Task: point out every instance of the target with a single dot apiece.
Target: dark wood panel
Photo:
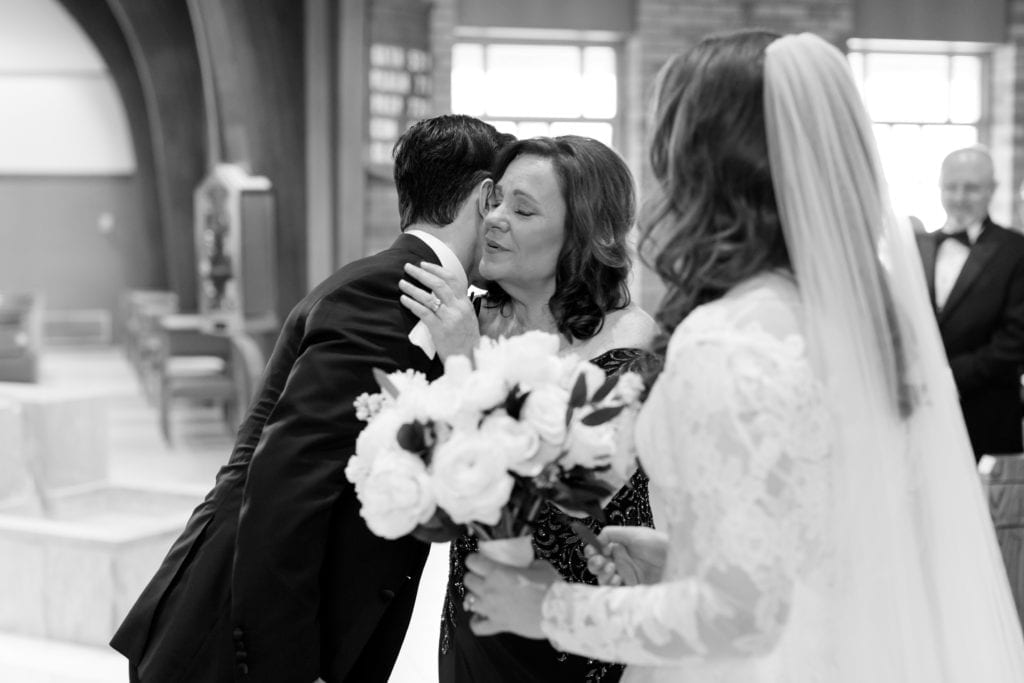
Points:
(160, 37)
(976, 20)
(255, 50)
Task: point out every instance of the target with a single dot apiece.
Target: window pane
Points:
(509, 127)
(965, 90)
(907, 87)
(911, 156)
(533, 80)
(468, 79)
(856, 60)
(600, 87)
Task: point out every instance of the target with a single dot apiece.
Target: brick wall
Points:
(667, 27)
(1009, 89)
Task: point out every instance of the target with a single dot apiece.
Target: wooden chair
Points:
(142, 308)
(198, 366)
(20, 337)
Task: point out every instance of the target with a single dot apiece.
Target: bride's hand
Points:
(445, 309)
(632, 555)
(506, 599)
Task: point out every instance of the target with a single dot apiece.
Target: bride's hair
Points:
(712, 221)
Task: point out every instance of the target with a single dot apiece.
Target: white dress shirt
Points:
(949, 261)
(420, 335)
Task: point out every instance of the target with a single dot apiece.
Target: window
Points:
(531, 88)
(924, 104)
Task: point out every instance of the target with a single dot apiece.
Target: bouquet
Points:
(486, 444)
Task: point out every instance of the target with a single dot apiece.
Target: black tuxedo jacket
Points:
(982, 327)
(276, 577)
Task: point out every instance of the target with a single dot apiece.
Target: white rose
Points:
(381, 433)
(544, 410)
(408, 380)
(518, 442)
(470, 481)
(357, 469)
(441, 401)
(531, 359)
(484, 389)
(396, 495)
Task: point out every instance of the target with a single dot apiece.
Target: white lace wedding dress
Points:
(735, 438)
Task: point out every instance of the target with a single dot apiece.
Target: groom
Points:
(276, 577)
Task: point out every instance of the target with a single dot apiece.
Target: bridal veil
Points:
(919, 591)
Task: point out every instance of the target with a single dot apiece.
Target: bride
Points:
(824, 516)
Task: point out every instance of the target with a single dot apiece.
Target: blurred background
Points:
(176, 174)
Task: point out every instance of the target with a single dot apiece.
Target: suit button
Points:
(243, 669)
(237, 633)
(387, 594)
(241, 655)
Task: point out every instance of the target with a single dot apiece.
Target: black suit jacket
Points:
(982, 327)
(276, 577)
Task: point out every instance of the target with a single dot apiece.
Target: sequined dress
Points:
(467, 658)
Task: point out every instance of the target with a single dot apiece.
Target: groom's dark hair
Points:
(438, 162)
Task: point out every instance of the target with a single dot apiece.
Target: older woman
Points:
(555, 254)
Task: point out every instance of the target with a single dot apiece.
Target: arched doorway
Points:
(74, 220)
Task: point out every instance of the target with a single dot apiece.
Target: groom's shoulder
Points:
(374, 275)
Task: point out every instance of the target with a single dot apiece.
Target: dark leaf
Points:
(605, 389)
(579, 392)
(601, 415)
(410, 437)
(576, 501)
(438, 529)
(384, 383)
(514, 402)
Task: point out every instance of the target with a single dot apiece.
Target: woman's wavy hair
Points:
(712, 221)
(593, 267)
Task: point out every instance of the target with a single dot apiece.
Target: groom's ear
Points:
(486, 187)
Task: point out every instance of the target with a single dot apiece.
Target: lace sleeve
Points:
(737, 438)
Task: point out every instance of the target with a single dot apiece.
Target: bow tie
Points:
(959, 236)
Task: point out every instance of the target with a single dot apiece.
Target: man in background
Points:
(975, 272)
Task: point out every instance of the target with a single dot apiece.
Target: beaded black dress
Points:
(467, 658)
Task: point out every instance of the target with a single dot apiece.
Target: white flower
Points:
(381, 434)
(396, 494)
(544, 410)
(484, 389)
(414, 393)
(408, 380)
(518, 443)
(368, 405)
(529, 360)
(470, 480)
(439, 402)
(357, 469)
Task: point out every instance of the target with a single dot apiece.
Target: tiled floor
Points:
(138, 455)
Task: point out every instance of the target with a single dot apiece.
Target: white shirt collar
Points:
(420, 335)
(443, 252)
(973, 230)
